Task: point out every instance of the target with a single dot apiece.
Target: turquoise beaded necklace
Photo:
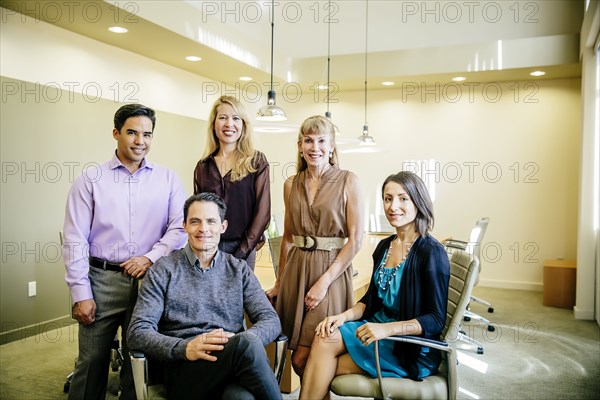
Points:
(384, 281)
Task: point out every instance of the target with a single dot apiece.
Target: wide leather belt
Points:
(311, 243)
(105, 265)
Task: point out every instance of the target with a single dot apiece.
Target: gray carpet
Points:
(536, 352)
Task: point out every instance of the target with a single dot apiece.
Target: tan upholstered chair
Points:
(443, 385)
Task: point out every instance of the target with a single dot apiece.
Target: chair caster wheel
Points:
(480, 350)
(467, 318)
(491, 328)
(491, 309)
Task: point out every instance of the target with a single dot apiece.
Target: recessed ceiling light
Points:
(117, 29)
(459, 79)
(322, 87)
(388, 83)
(245, 78)
(537, 73)
(193, 58)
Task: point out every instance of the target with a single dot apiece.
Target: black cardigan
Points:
(423, 294)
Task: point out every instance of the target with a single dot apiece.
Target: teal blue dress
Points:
(388, 287)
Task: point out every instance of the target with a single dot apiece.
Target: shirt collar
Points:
(116, 163)
(194, 262)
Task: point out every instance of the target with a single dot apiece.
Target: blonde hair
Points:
(244, 150)
(312, 125)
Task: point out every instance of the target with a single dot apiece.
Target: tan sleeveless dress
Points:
(325, 218)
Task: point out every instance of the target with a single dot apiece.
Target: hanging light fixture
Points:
(366, 139)
(271, 112)
(327, 113)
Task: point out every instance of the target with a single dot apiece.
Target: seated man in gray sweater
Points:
(190, 313)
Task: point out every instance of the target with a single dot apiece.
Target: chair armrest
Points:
(435, 344)
(281, 344)
(134, 354)
(139, 368)
(456, 244)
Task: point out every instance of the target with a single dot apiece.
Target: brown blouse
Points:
(248, 200)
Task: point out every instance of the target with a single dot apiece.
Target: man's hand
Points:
(201, 347)
(137, 266)
(85, 311)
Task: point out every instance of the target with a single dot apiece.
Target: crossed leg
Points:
(328, 358)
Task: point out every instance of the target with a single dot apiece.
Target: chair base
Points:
(472, 316)
(463, 337)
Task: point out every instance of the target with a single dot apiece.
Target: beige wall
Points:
(515, 160)
(533, 213)
(44, 147)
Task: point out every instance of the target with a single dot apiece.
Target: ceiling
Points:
(424, 41)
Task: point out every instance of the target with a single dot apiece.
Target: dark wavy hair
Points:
(418, 193)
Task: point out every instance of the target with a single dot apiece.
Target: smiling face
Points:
(204, 228)
(398, 206)
(134, 141)
(228, 125)
(316, 148)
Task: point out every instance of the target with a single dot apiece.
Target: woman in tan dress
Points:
(323, 231)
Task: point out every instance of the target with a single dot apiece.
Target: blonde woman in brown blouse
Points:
(232, 169)
(323, 230)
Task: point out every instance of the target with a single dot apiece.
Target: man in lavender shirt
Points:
(121, 216)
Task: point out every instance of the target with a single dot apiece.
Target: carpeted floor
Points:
(536, 352)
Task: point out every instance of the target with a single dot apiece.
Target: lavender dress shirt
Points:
(115, 215)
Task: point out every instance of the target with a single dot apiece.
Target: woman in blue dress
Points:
(407, 295)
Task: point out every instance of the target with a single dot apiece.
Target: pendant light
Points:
(366, 139)
(327, 113)
(271, 112)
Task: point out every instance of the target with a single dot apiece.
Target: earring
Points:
(331, 154)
